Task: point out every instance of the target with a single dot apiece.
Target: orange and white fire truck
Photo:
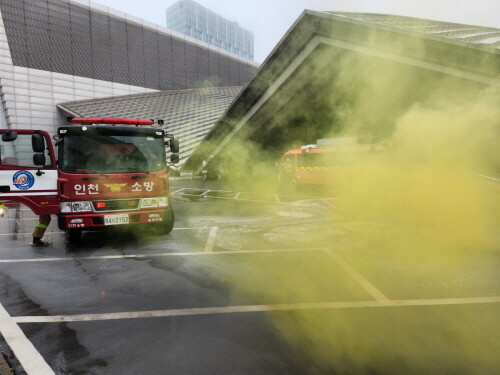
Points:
(108, 172)
(311, 165)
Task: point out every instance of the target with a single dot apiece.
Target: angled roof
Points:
(475, 35)
(303, 68)
(187, 114)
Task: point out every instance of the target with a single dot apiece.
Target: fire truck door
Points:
(28, 172)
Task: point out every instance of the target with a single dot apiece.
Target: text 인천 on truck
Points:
(109, 171)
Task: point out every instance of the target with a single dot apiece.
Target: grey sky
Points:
(270, 19)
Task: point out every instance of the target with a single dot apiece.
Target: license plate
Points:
(116, 219)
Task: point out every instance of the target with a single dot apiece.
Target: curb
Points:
(4, 366)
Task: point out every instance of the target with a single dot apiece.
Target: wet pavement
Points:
(217, 295)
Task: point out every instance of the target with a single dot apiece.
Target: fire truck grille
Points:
(116, 205)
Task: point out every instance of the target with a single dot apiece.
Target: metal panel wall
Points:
(191, 65)
(166, 61)
(224, 77)
(101, 46)
(178, 64)
(60, 39)
(151, 59)
(63, 37)
(81, 38)
(135, 50)
(119, 55)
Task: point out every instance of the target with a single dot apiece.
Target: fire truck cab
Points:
(107, 172)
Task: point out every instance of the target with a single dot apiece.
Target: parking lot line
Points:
(226, 198)
(198, 189)
(209, 247)
(26, 233)
(254, 308)
(325, 201)
(176, 191)
(132, 256)
(368, 286)
(490, 178)
(271, 201)
(62, 232)
(28, 218)
(29, 358)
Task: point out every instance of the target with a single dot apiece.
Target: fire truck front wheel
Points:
(166, 226)
(73, 235)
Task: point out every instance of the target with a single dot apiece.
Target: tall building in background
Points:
(193, 19)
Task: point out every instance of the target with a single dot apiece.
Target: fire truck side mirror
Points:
(37, 143)
(174, 145)
(9, 136)
(39, 160)
(174, 158)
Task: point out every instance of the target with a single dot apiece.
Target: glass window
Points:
(100, 153)
(19, 153)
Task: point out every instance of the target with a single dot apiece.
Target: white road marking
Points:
(490, 178)
(368, 286)
(204, 193)
(192, 228)
(199, 189)
(209, 247)
(273, 201)
(31, 360)
(243, 200)
(23, 219)
(255, 308)
(176, 191)
(324, 200)
(132, 256)
(26, 233)
(62, 232)
(237, 195)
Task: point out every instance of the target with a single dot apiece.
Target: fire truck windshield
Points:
(92, 152)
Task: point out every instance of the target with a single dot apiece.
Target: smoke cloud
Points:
(419, 221)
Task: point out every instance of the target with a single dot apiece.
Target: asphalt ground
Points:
(247, 283)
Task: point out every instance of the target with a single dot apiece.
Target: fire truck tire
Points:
(167, 226)
(73, 235)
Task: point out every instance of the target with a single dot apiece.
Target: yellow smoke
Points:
(416, 223)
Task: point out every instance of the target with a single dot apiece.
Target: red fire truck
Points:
(310, 165)
(108, 171)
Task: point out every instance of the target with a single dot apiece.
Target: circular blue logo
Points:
(23, 180)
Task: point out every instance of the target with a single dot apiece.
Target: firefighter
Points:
(41, 226)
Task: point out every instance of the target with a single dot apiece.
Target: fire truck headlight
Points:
(149, 202)
(65, 206)
(162, 202)
(81, 206)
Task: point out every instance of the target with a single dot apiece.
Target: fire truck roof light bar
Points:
(110, 120)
